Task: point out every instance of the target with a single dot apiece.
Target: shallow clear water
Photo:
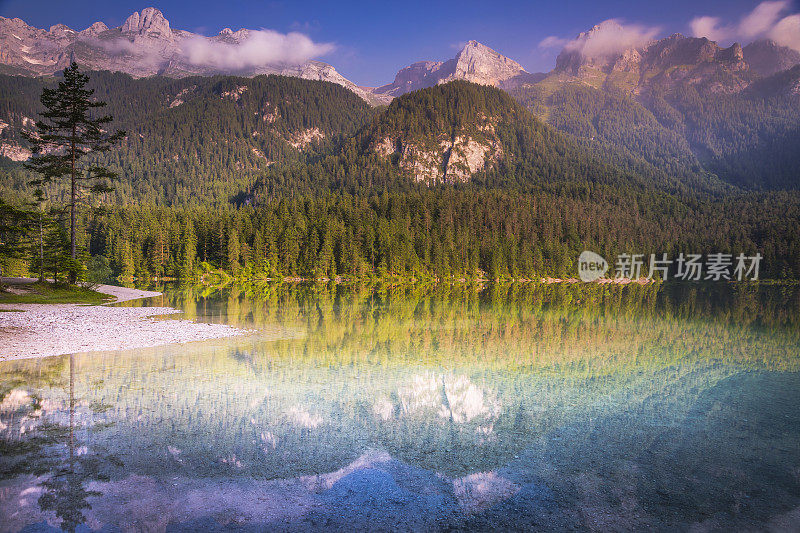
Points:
(508, 407)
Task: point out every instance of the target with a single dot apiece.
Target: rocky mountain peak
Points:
(674, 52)
(607, 46)
(418, 75)
(95, 29)
(475, 49)
(766, 57)
(478, 63)
(241, 35)
(628, 61)
(16, 21)
(149, 21)
(61, 31)
(475, 62)
(152, 49)
(735, 52)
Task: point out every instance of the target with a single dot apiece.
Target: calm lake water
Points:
(672, 407)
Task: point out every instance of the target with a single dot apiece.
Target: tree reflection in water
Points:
(65, 491)
(662, 398)
(36, 439)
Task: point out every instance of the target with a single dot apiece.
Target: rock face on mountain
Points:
(672, 61)
(480, 64)
(445, 158)
(475, 62)
(419, 75)
(433, 137)
(145, 45)
(149, 21)
(591, 51)
(684, 105)
(583, 53)
(678, 51)
(635, 67)
(766, 58)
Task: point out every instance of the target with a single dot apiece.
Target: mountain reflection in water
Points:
(510, 407)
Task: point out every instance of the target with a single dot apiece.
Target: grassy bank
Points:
(50, 293)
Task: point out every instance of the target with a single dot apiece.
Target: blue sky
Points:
(375, 39)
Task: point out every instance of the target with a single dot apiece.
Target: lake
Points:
(455, 407)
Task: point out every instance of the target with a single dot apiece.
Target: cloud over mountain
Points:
(551, 41)
(146, 45)
(258, 48)
(767, 21)
(610, 37)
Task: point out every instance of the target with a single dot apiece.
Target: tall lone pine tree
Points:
(65, 135)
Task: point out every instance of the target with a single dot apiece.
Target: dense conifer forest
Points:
(273, 177)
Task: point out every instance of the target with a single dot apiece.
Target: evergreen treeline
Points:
(440, 232)
(336, 208)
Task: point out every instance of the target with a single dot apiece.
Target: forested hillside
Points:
(279, 177)
(463, 133)
(200, 139)
(746, 138)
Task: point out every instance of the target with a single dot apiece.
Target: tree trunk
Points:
(72, 410)
(73, 249)
(41, 250)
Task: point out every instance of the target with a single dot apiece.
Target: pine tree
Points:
(40, 204)
(56, 250)
(188, 250)
(13, 222)
(232, 259)
(128, 268)
(64, 136)
(259, 253)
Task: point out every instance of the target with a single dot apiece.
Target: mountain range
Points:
(146, 45)
(679, 106)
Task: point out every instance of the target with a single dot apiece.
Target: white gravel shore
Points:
(123, 294)
(43, 330)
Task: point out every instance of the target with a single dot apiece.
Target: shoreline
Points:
(29, 331)
(122, 294)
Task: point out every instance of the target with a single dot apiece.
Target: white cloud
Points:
(552, 42)
(144, 56)
(260, 48)
(787, 32)
(113, 46)
(763, 22)
(256, 48)
(762, 19)
(709, 27)
(610, 38)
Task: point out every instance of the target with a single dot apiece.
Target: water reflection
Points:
(507, 406)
